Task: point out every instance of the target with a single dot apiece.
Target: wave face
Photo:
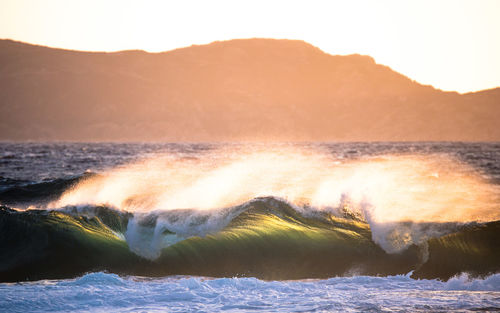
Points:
(266, 238)
(271, 212)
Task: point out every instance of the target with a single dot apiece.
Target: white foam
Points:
(100, 292)
(148, 233)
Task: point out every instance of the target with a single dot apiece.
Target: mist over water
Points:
(266, 227)
(395, 193)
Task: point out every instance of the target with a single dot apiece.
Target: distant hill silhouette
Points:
(238, 90)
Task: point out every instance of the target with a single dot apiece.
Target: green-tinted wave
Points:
(271, 240)
(40, 244)
(473, 249)
(265, 238)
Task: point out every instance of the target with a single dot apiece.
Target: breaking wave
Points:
(284, 214)
(266, 238)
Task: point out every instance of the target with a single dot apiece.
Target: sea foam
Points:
(100, 292)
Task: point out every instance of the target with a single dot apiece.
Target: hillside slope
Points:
(248, 89)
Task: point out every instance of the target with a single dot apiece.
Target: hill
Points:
(238, 90)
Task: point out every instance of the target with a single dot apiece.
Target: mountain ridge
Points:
(237, 90)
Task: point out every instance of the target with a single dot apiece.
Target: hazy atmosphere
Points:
(451, 45)
(238, 90)
(333, 71)
(249, 156)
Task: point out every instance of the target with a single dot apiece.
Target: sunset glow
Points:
(452, 45)
(375, 188)
(265, 156)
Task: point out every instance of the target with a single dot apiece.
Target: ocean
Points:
(238, 227)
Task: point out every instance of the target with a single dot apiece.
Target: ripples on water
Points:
(110, 293)
(36, 161)
(24, 164)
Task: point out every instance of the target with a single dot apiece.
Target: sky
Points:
(453, 45)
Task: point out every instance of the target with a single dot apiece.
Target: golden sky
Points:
(451, 44)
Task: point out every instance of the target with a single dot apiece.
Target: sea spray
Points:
(394, 193)
(284, 237)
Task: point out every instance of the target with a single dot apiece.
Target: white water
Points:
(99, 292)
(148, 234)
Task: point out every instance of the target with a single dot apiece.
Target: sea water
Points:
(101, 292)
(26, 169)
